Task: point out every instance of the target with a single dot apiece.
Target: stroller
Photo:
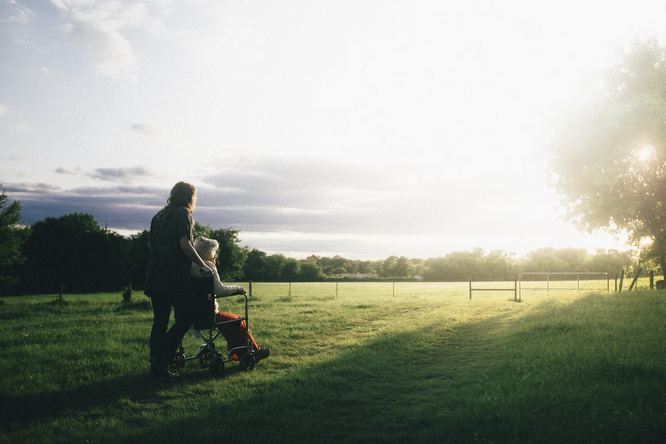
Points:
(210, 330)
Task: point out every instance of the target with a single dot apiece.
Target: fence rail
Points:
(563, 281)
(514, 289)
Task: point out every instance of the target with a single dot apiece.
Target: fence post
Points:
(470, 288)
(515, 288)
(651, 279)
(250, 285)
(578, 282)
(621, 279)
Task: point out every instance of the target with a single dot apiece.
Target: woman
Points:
(168, 275)
(207, 249)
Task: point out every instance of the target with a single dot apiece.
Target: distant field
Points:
(356, 362)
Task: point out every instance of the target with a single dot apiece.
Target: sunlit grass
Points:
(365, 364)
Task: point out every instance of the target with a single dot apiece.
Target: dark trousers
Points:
(163, 343)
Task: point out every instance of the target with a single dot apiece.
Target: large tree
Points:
(609, 153)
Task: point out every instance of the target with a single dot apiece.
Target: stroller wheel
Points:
(216, 366)
(247, 361)
(204, 356)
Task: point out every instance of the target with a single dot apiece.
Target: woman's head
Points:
(206, 248)
(183, 195)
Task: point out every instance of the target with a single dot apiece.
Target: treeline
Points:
(73, 253)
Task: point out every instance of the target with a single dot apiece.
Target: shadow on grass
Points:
(18, 412)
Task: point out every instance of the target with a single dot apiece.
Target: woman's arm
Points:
(191, 253)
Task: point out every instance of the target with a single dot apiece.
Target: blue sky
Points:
(363, 128)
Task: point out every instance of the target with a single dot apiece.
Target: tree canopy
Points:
(11, 237)
(608, 155)
(75, 252)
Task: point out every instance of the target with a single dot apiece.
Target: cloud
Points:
(12, 12)
(34, 188)
(18, 158)
(4, 111)
(120, 207)
(99, 27)
(120, 174)
(319, 195)
(148, 129)
(271, 195)
(75, 171)
(125, 175)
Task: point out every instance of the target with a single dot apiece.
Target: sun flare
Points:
(646, 153)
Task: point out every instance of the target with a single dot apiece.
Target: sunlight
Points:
(646, 153)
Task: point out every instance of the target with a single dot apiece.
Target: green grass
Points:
(364, 364)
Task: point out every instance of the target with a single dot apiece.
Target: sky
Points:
(359, 128)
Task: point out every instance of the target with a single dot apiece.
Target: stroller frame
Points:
(209, 330)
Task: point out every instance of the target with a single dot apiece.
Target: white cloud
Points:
(99, 26)
(3, 110)
(12, 12)
(148, 129)
(17, 157)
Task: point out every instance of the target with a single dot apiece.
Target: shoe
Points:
(263, 353)
(162, 373)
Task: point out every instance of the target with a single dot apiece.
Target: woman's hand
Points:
(191, 253)
(241, 291)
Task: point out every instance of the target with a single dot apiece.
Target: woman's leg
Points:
(161, 314)
(183, 314)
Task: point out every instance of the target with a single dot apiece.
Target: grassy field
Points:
(352, 363)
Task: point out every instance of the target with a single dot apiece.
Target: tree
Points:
(11, 238)
(611, 261)
(497, 265)
(231, 257)
(255, 265)
(74, 251)
(403, 268)
(366, 267)
(274, 265)
(291, 269)
(136, 260)
(609, 154)
(310, 270)
(546, 260)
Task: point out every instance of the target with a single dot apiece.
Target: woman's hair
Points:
(183, 195)
(206, 247)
